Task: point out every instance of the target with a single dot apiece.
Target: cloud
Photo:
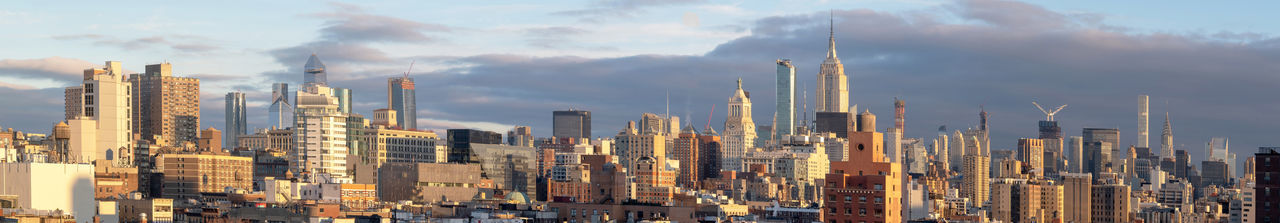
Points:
(178, 43)
(608, 9)
(350, 23)
(559, 37)
(52, 68)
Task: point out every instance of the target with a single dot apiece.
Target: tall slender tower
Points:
(1142, 121)
(281, 109)
(786, 111)
(833, 85)
(739, 130)
(314, 73)
(236, 118)
(1166, 139)
(899, 114)
(401, 96)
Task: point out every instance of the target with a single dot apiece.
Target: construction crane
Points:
(1049, 114)
(406, 73)
(713, 111)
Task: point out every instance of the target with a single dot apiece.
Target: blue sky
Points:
(466, 50)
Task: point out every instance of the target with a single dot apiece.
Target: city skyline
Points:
(879, 45)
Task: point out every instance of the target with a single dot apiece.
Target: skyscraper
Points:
(899, 114)
(281, 108)
(833, 85)
(1142, 121)
(401, 97)
(1166, 139)
(571, 124)
(739, 130)
(1267, 163)
(786, 99)
(166, 108)
(321, 137)
(236, 118)
(314, 72)
(1099, 144)
(102, 129)
(1031, 153)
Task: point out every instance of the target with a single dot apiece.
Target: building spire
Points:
(739, 83)
(831, 46)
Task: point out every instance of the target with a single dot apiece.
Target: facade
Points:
(379, 146)
(832, 122)
(709, 146)
(155, 209)
(1021, 200)
(1110, 203)
(1143, 118)
(974, 185)
(402, 97)
(188, 175)
(1266, 199)
(739, 131)
(431, 182)
(1077, 197)
(633, 146)
(280, 114)
(51, 186)
(786, 108)
(236, 118)
(571, 124)
(833, 85)
(1031, 153)
(686, 152)
(320, 133)
(1099, 144)
(104, 125)
(461, 140)
(166, 108)
(520, 136)
(865, 188)
(511, 168)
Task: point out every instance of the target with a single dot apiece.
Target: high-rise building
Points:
(571, 124)
(520, 136)
(739, 131)
(1267, 200)
(1031, 153)
(1166, 139)
(974, 185)
(1075, 161)
(102, 126)
(236, 118)
(833, 85)
(833, 122)
(786, 108)
(865, 188)
(1098, 157)
(1181, 166)
(166, 108)
(708, 155)
(685, 151)
(1077, 197)
(1142, 121)
(899, 114)
(320, 153)
(313, 73)
(281, 110)
(632, 145)
(461, 142)
(188, 175)
(1022, 200)
(402, 97)
(1110, 203)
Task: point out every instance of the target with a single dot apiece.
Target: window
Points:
(879, 200)
(88, 88)
(879, 187)
(862, 199)
(862, 212)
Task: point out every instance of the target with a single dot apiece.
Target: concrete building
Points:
(866, 188)
(1110, 203)
(431, 182)
(280, 114)
(833, 85)
(103, 121)
(686, 151)
(520, 136)
(1031, 153)
(210, 140)
(786, 98)
(236, 118)
(402, 97)
(50, 186)
(320, 153)
(633, 146)
(153, 209)
(1266, 199)
(739, 131)
(1022, 200)
(655, 181)
(974, 185)
(188, 175)
(379, 146)
(166, 108)
(1077, 194)
(571, 124)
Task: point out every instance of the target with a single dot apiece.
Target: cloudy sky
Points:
(494, 64)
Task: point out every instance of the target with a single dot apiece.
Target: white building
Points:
(320, 137)
(51, 186)
(739, 131)
(103, 102)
